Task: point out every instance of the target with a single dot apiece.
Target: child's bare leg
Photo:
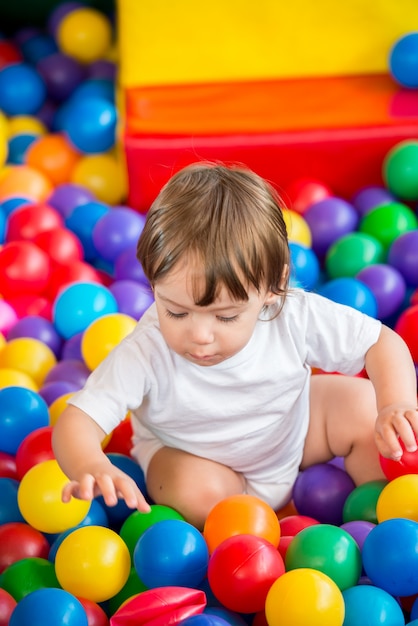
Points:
(343, 415)
(190, 484)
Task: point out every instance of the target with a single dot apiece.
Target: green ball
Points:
(352, 253)
(27, 575)
(388, 222)
(328, 549)
(361, 502)
(132, 587)
(137, 523)
(400, 170)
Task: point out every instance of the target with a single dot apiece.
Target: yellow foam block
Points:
(187, 42)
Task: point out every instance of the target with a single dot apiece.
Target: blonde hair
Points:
(226, 217)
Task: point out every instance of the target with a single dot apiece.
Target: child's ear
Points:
(271, 297)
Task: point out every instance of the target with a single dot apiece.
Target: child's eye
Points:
(177, 316)
(234, 318)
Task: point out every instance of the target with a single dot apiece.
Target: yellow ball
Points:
(57, 406)
(103, 335)
(26, 125)
(10, 377)
(304, 596)
(297, 228)
(4, 130)
(93, 562)
(40, 503)
(85, 34)
(30, 356)
(399, 498)
(102, 174)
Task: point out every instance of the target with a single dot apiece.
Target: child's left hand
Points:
(394, 423)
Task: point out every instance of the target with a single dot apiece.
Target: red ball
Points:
(293, 524)
(65, 274)
(241, 571)
(30, 219)
(121, 439)
(7, 466)
(24, 269)
(35, 448)
(408, 463)
(406, 326)
(9, 54)
(95, 614)
(60, 244)
(7, 604)
(284, 543)
(31, 304)
(20, 541)
(303, 192)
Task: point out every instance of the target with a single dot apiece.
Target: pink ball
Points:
(8, 317)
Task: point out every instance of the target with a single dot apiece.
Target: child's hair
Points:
(228, 220)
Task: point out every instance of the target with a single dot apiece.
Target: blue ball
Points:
(82, 220)
(22, 90)
(80, 304)
(95, 87)
(366, 604)
(171, 553)
(18, 146)
(304, 265)
(205, 620)
(9, 507)
(21, 412)
(351, 292)
(90, 124)
(390, 556)
(49, 606)
(403, 61)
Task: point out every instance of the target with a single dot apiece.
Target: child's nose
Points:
(201, 332)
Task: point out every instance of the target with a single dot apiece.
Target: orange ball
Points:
(54, 156)
(240, 515)
(23, 180)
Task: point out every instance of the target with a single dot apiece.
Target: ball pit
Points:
(63, 223)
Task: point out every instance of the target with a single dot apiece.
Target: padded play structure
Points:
(292, 89)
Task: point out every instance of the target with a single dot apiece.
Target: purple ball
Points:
(37, 327)
(328, 221)
(70, 370)
(403, 255)
(116, 230)
(53, 390)
(61, 74)
(57, 15)
(358, 529)
(133, 298)
(72, 348)
(67, 196)
(102, 69)
(320, 492)
(369, 198)
(388, 286)
(127, 266)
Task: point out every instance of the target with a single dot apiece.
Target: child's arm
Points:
(390, 368)
(76, 441)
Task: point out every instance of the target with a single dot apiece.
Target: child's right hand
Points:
(111, 483)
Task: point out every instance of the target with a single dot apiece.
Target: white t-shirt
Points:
(249, 412)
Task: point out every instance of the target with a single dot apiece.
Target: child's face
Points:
(205, 335)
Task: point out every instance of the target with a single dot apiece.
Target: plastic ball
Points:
(81, 222)
(358, 529)
(127, 267)
(65, 274)
(351, 292)
(241, 515)
(37, 47)
(351, 253)
(61, 74)
(96, 616)
(320, 492)
(60, 244)
(18, 541)
(388, 221)
(58, 13)
(162, 605)
(407, 464)
(390, 556)
(204, 620)
(67, 196)
(406, 326)
(8, 317)
(71, 349)
(15, 378)
(291, 525)
(171, 552)
(241, 571)
(7, 605)
(18, 147)
(329, 220)
(9, 508)
(403, 61)
(9, 53)
(137, 523)
(39, 499)
(399, 499)
(367, 604)
(26, 124)
(93, 562)
(133, 298)
(31, 356)
(27, 181)
(400, 170)
(322, 605)
(370, 197)
(361, 503)
(63, 608)
(53, 155)
(328, 549)
(104, 175)
(90, 124)
(22, 411)
(70, 371)
(303, 192)
(79, 304)
(132, 587)
(7, 466)
(84, 34)
(304, 265)
(29, 220)
(27, 575)
(35, 448)
(116, 230)
(297, 228)
(403, 255)
(102, 335)
(388, 286)
(57, 407)
(22, 90)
